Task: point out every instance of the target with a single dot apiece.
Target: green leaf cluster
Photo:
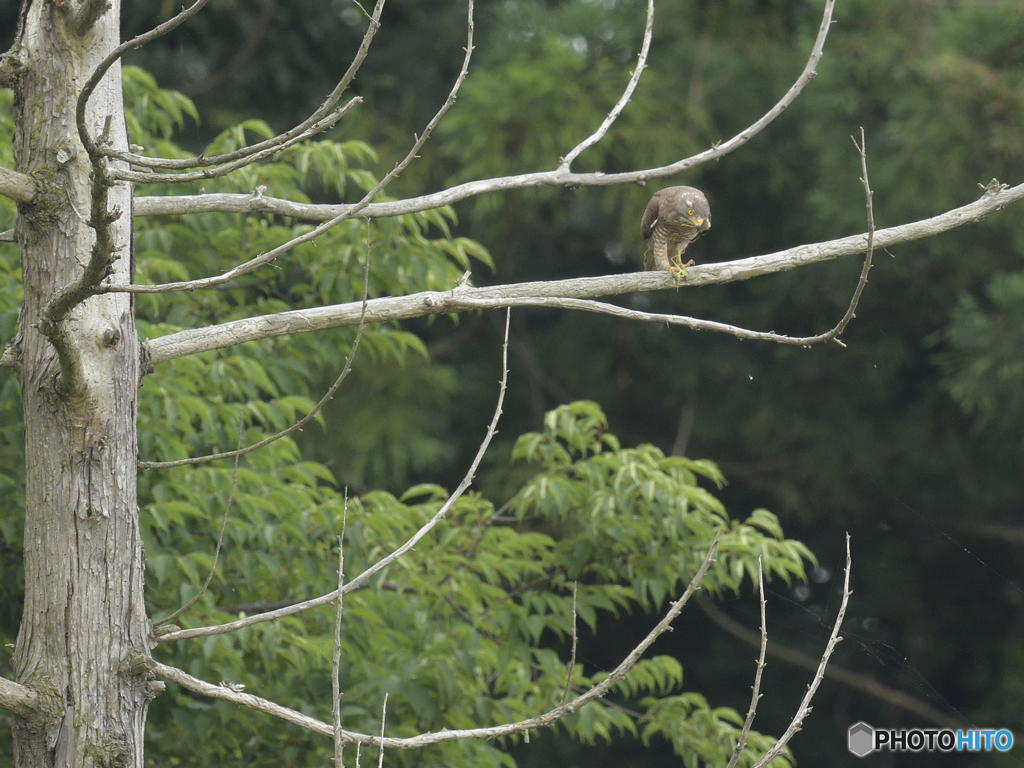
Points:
(464, 630)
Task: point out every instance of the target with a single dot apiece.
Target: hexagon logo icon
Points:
(860, 739)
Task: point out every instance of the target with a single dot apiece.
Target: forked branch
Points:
(307, 128)
(269, 256)
(623, 100)
(249, 155)
(101, 215)
(560, 177)
(805, 704)
(136, 42)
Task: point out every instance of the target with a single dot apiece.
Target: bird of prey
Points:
(674, 218)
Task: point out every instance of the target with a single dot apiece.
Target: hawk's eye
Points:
(689, 211)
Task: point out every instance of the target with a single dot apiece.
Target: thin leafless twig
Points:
(383, 720)
(265, 258)
(346, 369)
(302, 128)
(362, 578)
(339, 743)
(220, 540)
(623, 100)
(277, 144)
(805, 704)
(756, 694)
(490, 732)
(857, 681)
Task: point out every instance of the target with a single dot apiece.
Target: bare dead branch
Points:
(302, 128)
(269, 256)
(18, 698)
(225, 693)
(558, 293)
(19, 187)
(7, 236)
(277, 144)
(805, 704)
(225, 203)
(756, 691)
(362, 578)
(298, 425)
(847, 677)
(491, 732)
(634, 78)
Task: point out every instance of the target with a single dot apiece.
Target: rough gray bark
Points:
(84, 610)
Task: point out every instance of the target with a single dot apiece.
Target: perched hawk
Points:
(675, 217)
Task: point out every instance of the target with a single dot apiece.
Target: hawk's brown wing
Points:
(650, 216)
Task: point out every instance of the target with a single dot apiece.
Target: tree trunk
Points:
(84, 612)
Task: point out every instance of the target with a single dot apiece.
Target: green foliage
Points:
(984, 370)
(703, 735)
(460, 632)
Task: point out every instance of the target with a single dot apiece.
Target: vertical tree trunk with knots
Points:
(84, 614)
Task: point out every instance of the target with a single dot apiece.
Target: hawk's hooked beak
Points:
(703, 225)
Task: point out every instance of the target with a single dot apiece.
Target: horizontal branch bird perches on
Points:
(564, 293)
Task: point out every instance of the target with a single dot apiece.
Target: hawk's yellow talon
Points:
(678, 270)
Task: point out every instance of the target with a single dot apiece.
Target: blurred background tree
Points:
(910, 437)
